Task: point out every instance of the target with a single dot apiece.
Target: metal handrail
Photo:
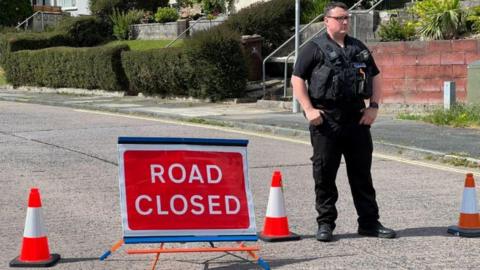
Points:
(186, 30)
(27, 19)
(318, 32)
(290, 39)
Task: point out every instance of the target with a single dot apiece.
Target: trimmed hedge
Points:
(218, 64)
(161, 72)
(211, 65)
(12, 42)
(272, 20)
(90, 68)
(85, 31)
(82, 31)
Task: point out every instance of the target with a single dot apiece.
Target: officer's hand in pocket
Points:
(314, 116)
(369, 116)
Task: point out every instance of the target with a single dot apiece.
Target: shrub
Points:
(85, 30)
(312, 9)
(104, 8)
(89, 68)
(164, 15)
(14, 12)
(214, 6)
(219, 64)
(122, 20)
(272, 20)
(473, 20)
(150, 5)
(395, 31)
(161, 72)
(440, 19)
(12, 42)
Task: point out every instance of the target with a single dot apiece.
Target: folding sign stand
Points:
(172, 188)
(240, 247)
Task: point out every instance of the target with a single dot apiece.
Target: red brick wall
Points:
(414, 72)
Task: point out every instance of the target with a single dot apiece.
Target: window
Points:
(67, 3)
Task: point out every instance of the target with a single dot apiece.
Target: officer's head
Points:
(336, 18)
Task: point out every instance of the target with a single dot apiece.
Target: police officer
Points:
(341, 74)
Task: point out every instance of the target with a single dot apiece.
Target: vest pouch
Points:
(319, 80)
(334, 92)
(363, 84)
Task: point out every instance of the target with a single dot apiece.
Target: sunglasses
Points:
(340, 18)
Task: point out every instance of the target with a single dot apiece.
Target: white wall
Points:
(239, 4)
(81, 8)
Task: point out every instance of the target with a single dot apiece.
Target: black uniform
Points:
(340, 133)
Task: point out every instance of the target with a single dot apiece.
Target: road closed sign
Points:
(184, 187)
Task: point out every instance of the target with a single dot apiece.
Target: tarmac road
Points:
(72, 157)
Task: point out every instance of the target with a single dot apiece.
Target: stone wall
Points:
(154, 31)
(44, 20)
(414, 72)
(170, 30)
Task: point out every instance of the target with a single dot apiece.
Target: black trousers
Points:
(354, 142)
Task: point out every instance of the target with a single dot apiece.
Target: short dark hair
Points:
(333, 5)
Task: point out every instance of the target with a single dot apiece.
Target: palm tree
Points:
(440, 19)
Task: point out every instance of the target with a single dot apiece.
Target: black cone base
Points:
(290, 237)
(48, 263)
(455, 230)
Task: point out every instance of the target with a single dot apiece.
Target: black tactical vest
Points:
(341, 76)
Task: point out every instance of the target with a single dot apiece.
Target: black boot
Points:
(324, 233)
(376, 230)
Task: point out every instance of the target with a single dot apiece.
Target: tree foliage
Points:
(440, 19)
(13, 12)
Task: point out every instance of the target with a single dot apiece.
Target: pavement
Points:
(412, 139)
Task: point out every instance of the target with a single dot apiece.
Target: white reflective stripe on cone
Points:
(34, 223)
(469, 201)
(275, 207)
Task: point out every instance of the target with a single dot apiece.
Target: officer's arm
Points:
(300, 92)
(376, 90)
(370, 114)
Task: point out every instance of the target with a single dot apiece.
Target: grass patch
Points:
(143, 45)
(409, 116)
(459, 115)
(207, 122)
(3, 80)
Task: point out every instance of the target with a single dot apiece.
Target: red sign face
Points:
(185, 190)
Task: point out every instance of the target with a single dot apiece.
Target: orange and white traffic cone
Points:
(34, 251)
(275, 228)
(469, 221)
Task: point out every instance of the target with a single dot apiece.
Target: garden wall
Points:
(158, 30)
(414, 72)
(172, 29)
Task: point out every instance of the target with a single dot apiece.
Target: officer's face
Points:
(336, 21)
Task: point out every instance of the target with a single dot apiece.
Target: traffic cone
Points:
(34, 251)
(275, 228)
(469, 221)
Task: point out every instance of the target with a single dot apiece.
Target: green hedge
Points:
(85, 31)
(211, 65)
(218, 62)
(272, 20)
(161, 72)
(89, 68)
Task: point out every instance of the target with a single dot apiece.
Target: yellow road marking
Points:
(279, 138)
